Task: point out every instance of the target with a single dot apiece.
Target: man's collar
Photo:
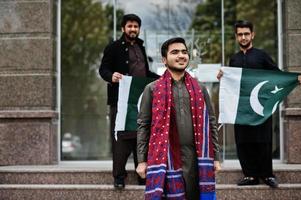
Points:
(182, 79)
(248, 50)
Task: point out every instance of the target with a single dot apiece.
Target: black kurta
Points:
(253, 59)
(254, 143)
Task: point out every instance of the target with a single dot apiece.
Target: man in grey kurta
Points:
(185, 130)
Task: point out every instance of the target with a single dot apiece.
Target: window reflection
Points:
(85, 33)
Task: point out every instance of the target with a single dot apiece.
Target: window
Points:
(85, 33)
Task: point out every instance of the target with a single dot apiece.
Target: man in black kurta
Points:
(254, 143)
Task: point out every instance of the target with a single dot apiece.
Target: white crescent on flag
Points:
(254, 101)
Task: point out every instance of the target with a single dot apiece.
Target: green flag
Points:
(129, 96)
(249, 96)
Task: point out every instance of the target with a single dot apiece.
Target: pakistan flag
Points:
(129, 97)
(249, 96)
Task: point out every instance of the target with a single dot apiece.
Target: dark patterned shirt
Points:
(137, 61)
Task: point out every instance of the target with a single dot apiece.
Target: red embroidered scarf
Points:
(164, 173)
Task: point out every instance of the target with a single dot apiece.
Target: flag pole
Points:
(114, 20)
(223, 64)
(223, 34)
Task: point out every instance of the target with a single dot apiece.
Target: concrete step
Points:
(59, 174)
(62, 177)
(259, 192)
(284, 174)
(107, 192)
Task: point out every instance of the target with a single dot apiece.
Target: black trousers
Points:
(255, 159)
(121, 149)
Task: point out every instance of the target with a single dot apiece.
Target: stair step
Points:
(72, 192)
(62, 177)
(94, 175)
(133, 192)
(232, 176)
(259, 192)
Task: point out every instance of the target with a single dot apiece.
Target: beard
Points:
(132, 36)
(245, 46)
(175, 69)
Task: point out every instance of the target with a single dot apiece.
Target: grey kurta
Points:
(185, 131)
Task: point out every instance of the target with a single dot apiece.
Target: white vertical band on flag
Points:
(229, 94)
(122, 106)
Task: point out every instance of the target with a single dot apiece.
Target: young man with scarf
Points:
(177, 140)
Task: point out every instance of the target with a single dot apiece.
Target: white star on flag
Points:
(276, 90)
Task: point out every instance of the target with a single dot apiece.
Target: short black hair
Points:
(130, 17)
(165, 45)
(243, 24)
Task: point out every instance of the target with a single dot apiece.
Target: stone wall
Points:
(292, 62)
(28, 132)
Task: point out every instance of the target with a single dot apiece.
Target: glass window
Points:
(84, 121)
(85, 33)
